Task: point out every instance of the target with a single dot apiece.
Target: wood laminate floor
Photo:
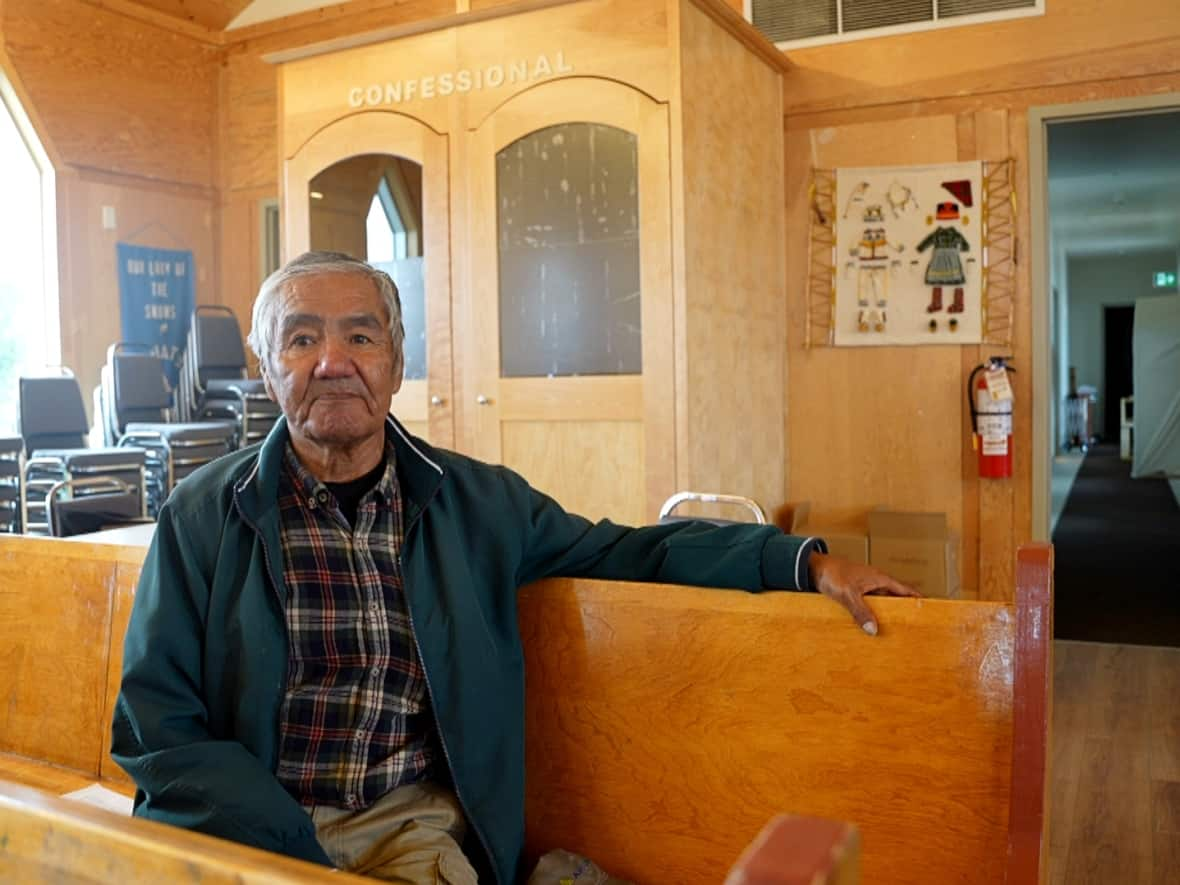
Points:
(1115, 783)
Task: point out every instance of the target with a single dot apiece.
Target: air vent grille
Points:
(786, 21)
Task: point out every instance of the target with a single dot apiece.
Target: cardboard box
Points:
(844, 541)
(916, 548)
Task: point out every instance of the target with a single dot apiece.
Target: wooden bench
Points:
(665, 725)
(47, 839)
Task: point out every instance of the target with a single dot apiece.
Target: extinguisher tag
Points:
(995, 445)
(997, 384)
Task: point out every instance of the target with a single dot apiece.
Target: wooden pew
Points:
(665, 725)
(46, 839)
(59, 649)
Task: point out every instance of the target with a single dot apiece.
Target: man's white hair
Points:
(265, 319)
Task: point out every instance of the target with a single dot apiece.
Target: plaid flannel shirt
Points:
(356, 719)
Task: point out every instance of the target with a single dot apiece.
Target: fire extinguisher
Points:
(990, 399)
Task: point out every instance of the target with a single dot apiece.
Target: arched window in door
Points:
(30, 334)
(370, 206)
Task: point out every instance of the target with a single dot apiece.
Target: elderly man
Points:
(323, 658)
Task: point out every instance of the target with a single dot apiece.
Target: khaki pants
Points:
(410, 835)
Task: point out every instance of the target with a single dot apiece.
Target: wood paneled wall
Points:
(730, 359)
(890, 426)
(127, 110)
(179, 128)
(147, 214)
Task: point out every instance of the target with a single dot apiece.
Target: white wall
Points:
(1095, 282)
(1059, 337)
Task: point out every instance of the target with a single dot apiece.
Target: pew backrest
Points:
(55, 644)
(666, 725)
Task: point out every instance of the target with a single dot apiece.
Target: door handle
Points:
(437, 400)
(482, 400)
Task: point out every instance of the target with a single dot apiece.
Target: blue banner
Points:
(156, 296)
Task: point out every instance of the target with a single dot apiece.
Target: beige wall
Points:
(890, 425)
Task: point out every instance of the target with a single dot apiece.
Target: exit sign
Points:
(1164, 279)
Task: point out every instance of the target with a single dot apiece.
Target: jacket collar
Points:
(418, 472)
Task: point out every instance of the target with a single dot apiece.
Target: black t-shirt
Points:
(348, 494)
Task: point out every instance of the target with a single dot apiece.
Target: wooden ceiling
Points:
(212, 14)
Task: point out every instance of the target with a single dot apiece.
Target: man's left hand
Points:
(848, 583)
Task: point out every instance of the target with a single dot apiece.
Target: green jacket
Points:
(205, 656)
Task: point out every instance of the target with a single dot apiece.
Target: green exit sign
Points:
(1164, 279)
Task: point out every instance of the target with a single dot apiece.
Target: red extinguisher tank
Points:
(990, 397)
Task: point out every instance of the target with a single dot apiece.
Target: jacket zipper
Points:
(442, 740)
(274, 585)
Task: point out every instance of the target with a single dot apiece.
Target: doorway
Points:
(1108, 222)
(1117, 381)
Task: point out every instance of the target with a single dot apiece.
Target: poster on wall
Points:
(156, 299)
(909, 255)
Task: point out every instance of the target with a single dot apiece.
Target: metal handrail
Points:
(710, 498)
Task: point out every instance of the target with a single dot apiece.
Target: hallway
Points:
(1117, 544)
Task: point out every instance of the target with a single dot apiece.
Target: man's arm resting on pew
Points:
(748, 557)
(160, 734)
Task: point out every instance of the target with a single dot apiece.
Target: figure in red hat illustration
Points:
(945, 268)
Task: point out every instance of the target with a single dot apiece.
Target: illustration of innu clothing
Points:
(945, 268)
(872, 282)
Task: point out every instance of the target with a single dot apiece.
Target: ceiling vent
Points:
(806, 22)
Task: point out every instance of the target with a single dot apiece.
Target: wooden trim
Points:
(1137, 68)
(587, 398)
(143, 182)
(745, 33)
(28, 107)
(1032, 699)
(277, 31)
(47, 838)
(794, 850)
(161, 20)
(63, 548)
(410, 401)
(420, 26)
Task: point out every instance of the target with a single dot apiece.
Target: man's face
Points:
(334, 370)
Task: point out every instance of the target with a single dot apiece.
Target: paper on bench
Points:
(100, 797)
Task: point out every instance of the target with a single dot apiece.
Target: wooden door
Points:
(329, 187)
(586, 417)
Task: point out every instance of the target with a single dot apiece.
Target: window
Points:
(268, 216)
(808, 22)
(30, 335)
(384, 226)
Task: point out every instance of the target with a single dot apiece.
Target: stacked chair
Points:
(12, 461)
(213, 383)
(135, 409)
(53, 428)
(91, 504)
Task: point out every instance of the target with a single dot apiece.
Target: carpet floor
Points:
(1118, 556)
